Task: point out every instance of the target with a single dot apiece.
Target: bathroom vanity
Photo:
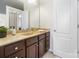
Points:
(24, 45)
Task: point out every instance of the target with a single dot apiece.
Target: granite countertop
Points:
(19, 36)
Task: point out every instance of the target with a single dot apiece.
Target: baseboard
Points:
(51, 50)
(65, 55)
(77, 55)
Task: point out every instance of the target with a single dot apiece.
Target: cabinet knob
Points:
(37, 45)
(16, 48)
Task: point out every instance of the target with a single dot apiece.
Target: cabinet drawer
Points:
(20, 54)
(10, 49)
(42, 36)
(32, 40)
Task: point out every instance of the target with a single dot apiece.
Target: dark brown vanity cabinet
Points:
(33, 47)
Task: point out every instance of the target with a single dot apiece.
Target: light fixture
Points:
(32, 2)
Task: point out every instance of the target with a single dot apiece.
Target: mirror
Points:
(33, 8)
(14, 13)
(34, 17)
(20, 15)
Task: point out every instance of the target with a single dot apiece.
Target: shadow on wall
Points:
(15, 3)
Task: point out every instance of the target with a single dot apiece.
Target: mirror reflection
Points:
(15, 17)
(21, 14)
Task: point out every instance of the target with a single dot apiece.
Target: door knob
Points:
(54, 30)
(77, 26)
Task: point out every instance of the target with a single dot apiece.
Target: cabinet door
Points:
(41, 47)
(1, 52)
(32, 51)
(47, 43)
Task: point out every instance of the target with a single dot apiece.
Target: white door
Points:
(65, 41)
(78, 29)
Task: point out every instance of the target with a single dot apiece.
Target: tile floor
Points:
(50, 55)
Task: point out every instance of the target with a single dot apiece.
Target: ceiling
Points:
(21, 1)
